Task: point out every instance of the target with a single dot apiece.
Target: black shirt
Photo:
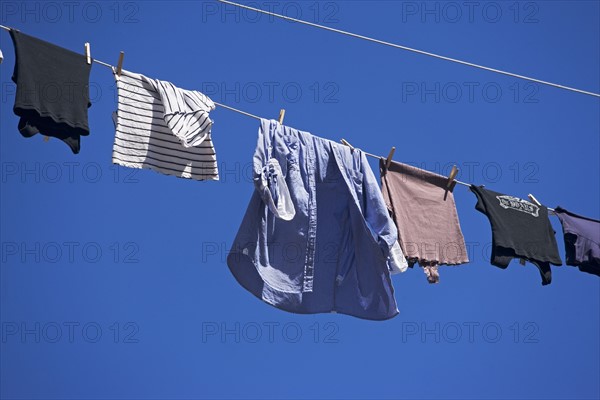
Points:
(52, 90)
(519, 229)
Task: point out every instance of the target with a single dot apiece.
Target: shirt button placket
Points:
(312, 221)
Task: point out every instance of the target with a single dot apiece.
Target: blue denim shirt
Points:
(316, 236)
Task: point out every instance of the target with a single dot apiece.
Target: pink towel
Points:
(428, 227)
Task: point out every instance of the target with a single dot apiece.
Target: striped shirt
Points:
(163, 128)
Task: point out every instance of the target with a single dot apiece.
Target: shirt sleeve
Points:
(186, 113)
(397, 262)
(269, 179)
(378, 219)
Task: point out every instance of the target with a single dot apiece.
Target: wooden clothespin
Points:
(281, 115)
(451, 177)
(537, 203)
(345, 142)
(534, 200)
(88, 54)
(388, 160)
(120, 63)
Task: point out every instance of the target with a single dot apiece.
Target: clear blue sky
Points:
(114, 282)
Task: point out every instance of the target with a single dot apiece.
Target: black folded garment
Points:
(52, 90)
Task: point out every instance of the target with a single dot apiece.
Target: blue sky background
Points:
(144, 305)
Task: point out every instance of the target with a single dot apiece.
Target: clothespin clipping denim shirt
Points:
(317, 236)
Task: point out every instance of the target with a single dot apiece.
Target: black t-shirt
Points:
(52, 90)
(519, 229)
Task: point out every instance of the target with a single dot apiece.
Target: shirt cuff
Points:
(274, 191)
(397, 262)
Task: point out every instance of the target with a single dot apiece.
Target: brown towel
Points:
(428, 228)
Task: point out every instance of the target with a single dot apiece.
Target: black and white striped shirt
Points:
(163, 128)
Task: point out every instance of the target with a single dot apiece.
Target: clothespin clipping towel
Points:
(345, 142)
(120, 63)
(281, 115)
(451, 177)
(388, 160)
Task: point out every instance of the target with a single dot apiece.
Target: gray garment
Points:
(425, 215)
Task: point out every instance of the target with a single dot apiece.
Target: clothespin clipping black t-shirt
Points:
(520, 229)
(52, 90)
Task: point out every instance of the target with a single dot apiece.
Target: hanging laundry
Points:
(582, 241)
(163, 128)
(520, 229)
(428, 228)
(1, 57)
(52, 90)
(316, 237)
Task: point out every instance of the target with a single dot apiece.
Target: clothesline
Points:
(113, 68)
(370, 39)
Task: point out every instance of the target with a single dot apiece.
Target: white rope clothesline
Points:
(370, 39)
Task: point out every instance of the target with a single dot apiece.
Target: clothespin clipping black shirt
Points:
(88, 54)
(534, 200)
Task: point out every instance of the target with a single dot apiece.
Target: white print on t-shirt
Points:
(518, 204)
